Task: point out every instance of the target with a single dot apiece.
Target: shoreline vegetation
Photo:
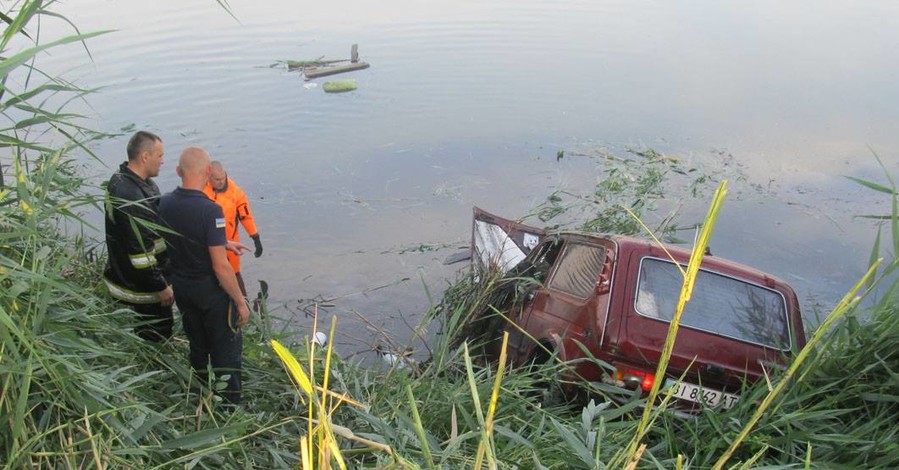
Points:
(79, 390)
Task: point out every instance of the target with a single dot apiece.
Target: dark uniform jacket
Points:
(136, 252)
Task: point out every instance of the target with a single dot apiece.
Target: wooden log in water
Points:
(300, 65)
(325, 71)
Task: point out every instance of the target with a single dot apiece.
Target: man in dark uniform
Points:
(212, 307)
(136, 259)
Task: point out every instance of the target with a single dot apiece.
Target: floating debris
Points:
(320, 67)
(340, 86)
(294, 65)
(398, 359)
(315, 72)
(458, 257)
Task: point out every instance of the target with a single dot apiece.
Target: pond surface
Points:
(361, 196)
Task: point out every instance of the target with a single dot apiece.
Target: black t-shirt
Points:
(199, 224)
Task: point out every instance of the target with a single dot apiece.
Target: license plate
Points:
(696, 394)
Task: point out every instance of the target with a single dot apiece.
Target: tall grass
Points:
(79, 390)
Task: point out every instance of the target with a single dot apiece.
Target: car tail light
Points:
(633, 378)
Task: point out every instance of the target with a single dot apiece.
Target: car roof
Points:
(630, 244)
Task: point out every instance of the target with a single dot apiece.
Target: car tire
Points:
(547, 384)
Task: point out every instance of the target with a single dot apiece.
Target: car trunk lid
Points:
(730, 330)
(499, 242)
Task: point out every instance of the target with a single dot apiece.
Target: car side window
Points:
(578, 270)
(540, 261)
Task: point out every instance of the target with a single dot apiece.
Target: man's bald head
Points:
(218, 178)
(194, 159)
(194, 168)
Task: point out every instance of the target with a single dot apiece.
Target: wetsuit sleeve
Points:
(144, 245)
(244, 215)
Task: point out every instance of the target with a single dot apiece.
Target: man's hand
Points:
(258, 243)
(243, 313)
(166, 296)
(237, 247)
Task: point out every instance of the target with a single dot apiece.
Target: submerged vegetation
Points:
(632, 187)
(79, 390)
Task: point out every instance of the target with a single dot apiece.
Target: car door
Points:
(563, 314)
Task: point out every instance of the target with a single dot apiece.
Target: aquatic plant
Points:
(628, 189)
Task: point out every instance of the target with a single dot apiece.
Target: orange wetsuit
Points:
(236, 208)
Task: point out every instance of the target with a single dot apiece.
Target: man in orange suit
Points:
(224, 191)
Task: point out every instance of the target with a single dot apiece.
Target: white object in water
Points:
(320, 338)
(395, 360)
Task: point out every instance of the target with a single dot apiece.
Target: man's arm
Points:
(237, 247)
(225, 275)
(245, 216)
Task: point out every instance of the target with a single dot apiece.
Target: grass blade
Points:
(293, 367)
(686, 292)
(419, 429)
(846, 303)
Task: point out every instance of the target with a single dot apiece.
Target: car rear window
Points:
(578, 270)
(720, 304)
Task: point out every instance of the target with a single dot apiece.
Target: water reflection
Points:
(467, 102)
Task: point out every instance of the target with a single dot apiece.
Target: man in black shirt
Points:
(136, 259)
(212, 307)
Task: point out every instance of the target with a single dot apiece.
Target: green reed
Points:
(79, 390)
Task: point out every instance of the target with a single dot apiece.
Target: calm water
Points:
(467, 102)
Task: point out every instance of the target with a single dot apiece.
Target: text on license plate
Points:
(712, 398)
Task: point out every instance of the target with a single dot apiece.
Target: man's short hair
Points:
(140, 141)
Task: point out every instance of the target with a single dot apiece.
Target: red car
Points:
(616, 295)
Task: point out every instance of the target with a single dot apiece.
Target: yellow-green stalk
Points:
(846, 304)
(485, 447)
(686, 291)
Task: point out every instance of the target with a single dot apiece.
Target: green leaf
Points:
(22, 18)
(11, 63)
(574, 444)
(895, 225)
(206, 437)
(875, 217)
(872, 260)
(47, 87)
(872, 185)
(513, 436)
(44, 119)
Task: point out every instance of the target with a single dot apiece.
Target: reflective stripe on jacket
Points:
(237, 209)
(121, 293)
(136, 253)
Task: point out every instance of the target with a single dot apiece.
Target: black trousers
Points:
(156, 321)
(210, 322)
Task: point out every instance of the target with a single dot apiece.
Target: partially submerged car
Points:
(612, 297)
